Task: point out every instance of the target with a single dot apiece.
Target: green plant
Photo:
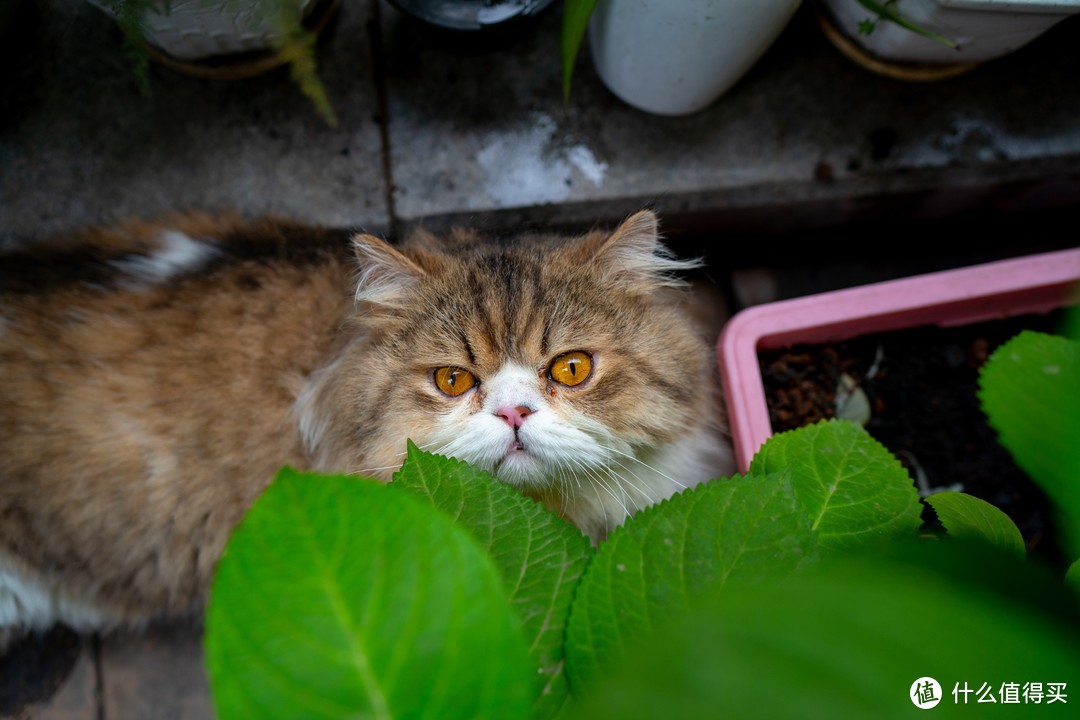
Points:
(294, 44)
(1029, 390)
(576, 14)
(887, 11)
(805, 585)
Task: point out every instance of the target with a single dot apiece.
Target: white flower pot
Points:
(674, 57)
(982, 29)
(197, 29)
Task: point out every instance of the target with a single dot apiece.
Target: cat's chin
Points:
(521, 469)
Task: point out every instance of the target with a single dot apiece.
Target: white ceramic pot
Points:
(198, 29)
(674, 57)
(982, 29)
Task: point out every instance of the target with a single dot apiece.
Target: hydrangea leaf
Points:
(969, 518)
(1030, 391)
(343, 597)
(1072, 578)
(690, 546)
(854, 490)
(847, 639)
(541, 556)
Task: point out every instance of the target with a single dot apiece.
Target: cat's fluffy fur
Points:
(154, 376)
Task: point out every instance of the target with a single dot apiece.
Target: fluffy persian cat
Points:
(155, 376)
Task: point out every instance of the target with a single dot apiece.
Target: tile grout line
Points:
(378, 64)
(99, 677)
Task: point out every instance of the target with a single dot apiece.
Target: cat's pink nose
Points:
(514, 416)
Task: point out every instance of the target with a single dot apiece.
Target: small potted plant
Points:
(672, 57)
(226, 39)
(902, 358)
(935, 39)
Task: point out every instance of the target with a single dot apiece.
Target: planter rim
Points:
(1063, 7)
(1043, 6)
(1032, 284)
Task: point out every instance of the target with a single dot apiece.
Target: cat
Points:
(155, 375)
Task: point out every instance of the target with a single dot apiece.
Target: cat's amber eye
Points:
(454, 381)
(571, 369)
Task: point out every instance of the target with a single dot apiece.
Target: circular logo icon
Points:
(925, 693)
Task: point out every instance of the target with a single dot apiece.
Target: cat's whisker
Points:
(617, 473)
(365, 471)
(599, 482)
(609, 445)
(425, 447)
(629, 456)
(563, 476)
(601, 478)
(640, 490)
(453, 450)
(622, 504)
(576, 486)
(464, 448)
(448, 448)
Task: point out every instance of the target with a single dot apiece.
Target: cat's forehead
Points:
(508, 306)
(468, 241)
(516, 276)
(521, 300)
(498, 304)
(471, 250)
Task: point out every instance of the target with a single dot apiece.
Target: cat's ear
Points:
(634, 255)
(386, 275)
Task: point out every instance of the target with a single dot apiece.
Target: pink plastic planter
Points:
(1034, 284)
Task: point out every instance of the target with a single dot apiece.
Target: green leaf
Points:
(296, 46)
(1030, 390)
(541, 556)
(1071, 325)
(1072, 577)
(967, 517)
(576, 14)
(343, 597)
(853, 488)
(846, 639)
(692, 545)
(131, 18)
(888, 12)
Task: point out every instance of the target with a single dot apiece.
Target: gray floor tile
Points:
(79, 145)
(158, 674)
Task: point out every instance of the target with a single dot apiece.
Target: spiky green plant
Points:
(887, 11)
(293, 43)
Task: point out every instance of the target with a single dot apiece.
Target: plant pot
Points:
(473, 15)
(675, 57)
(1034, 284)
(220, 39)
(904, 359)
(981, 30)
